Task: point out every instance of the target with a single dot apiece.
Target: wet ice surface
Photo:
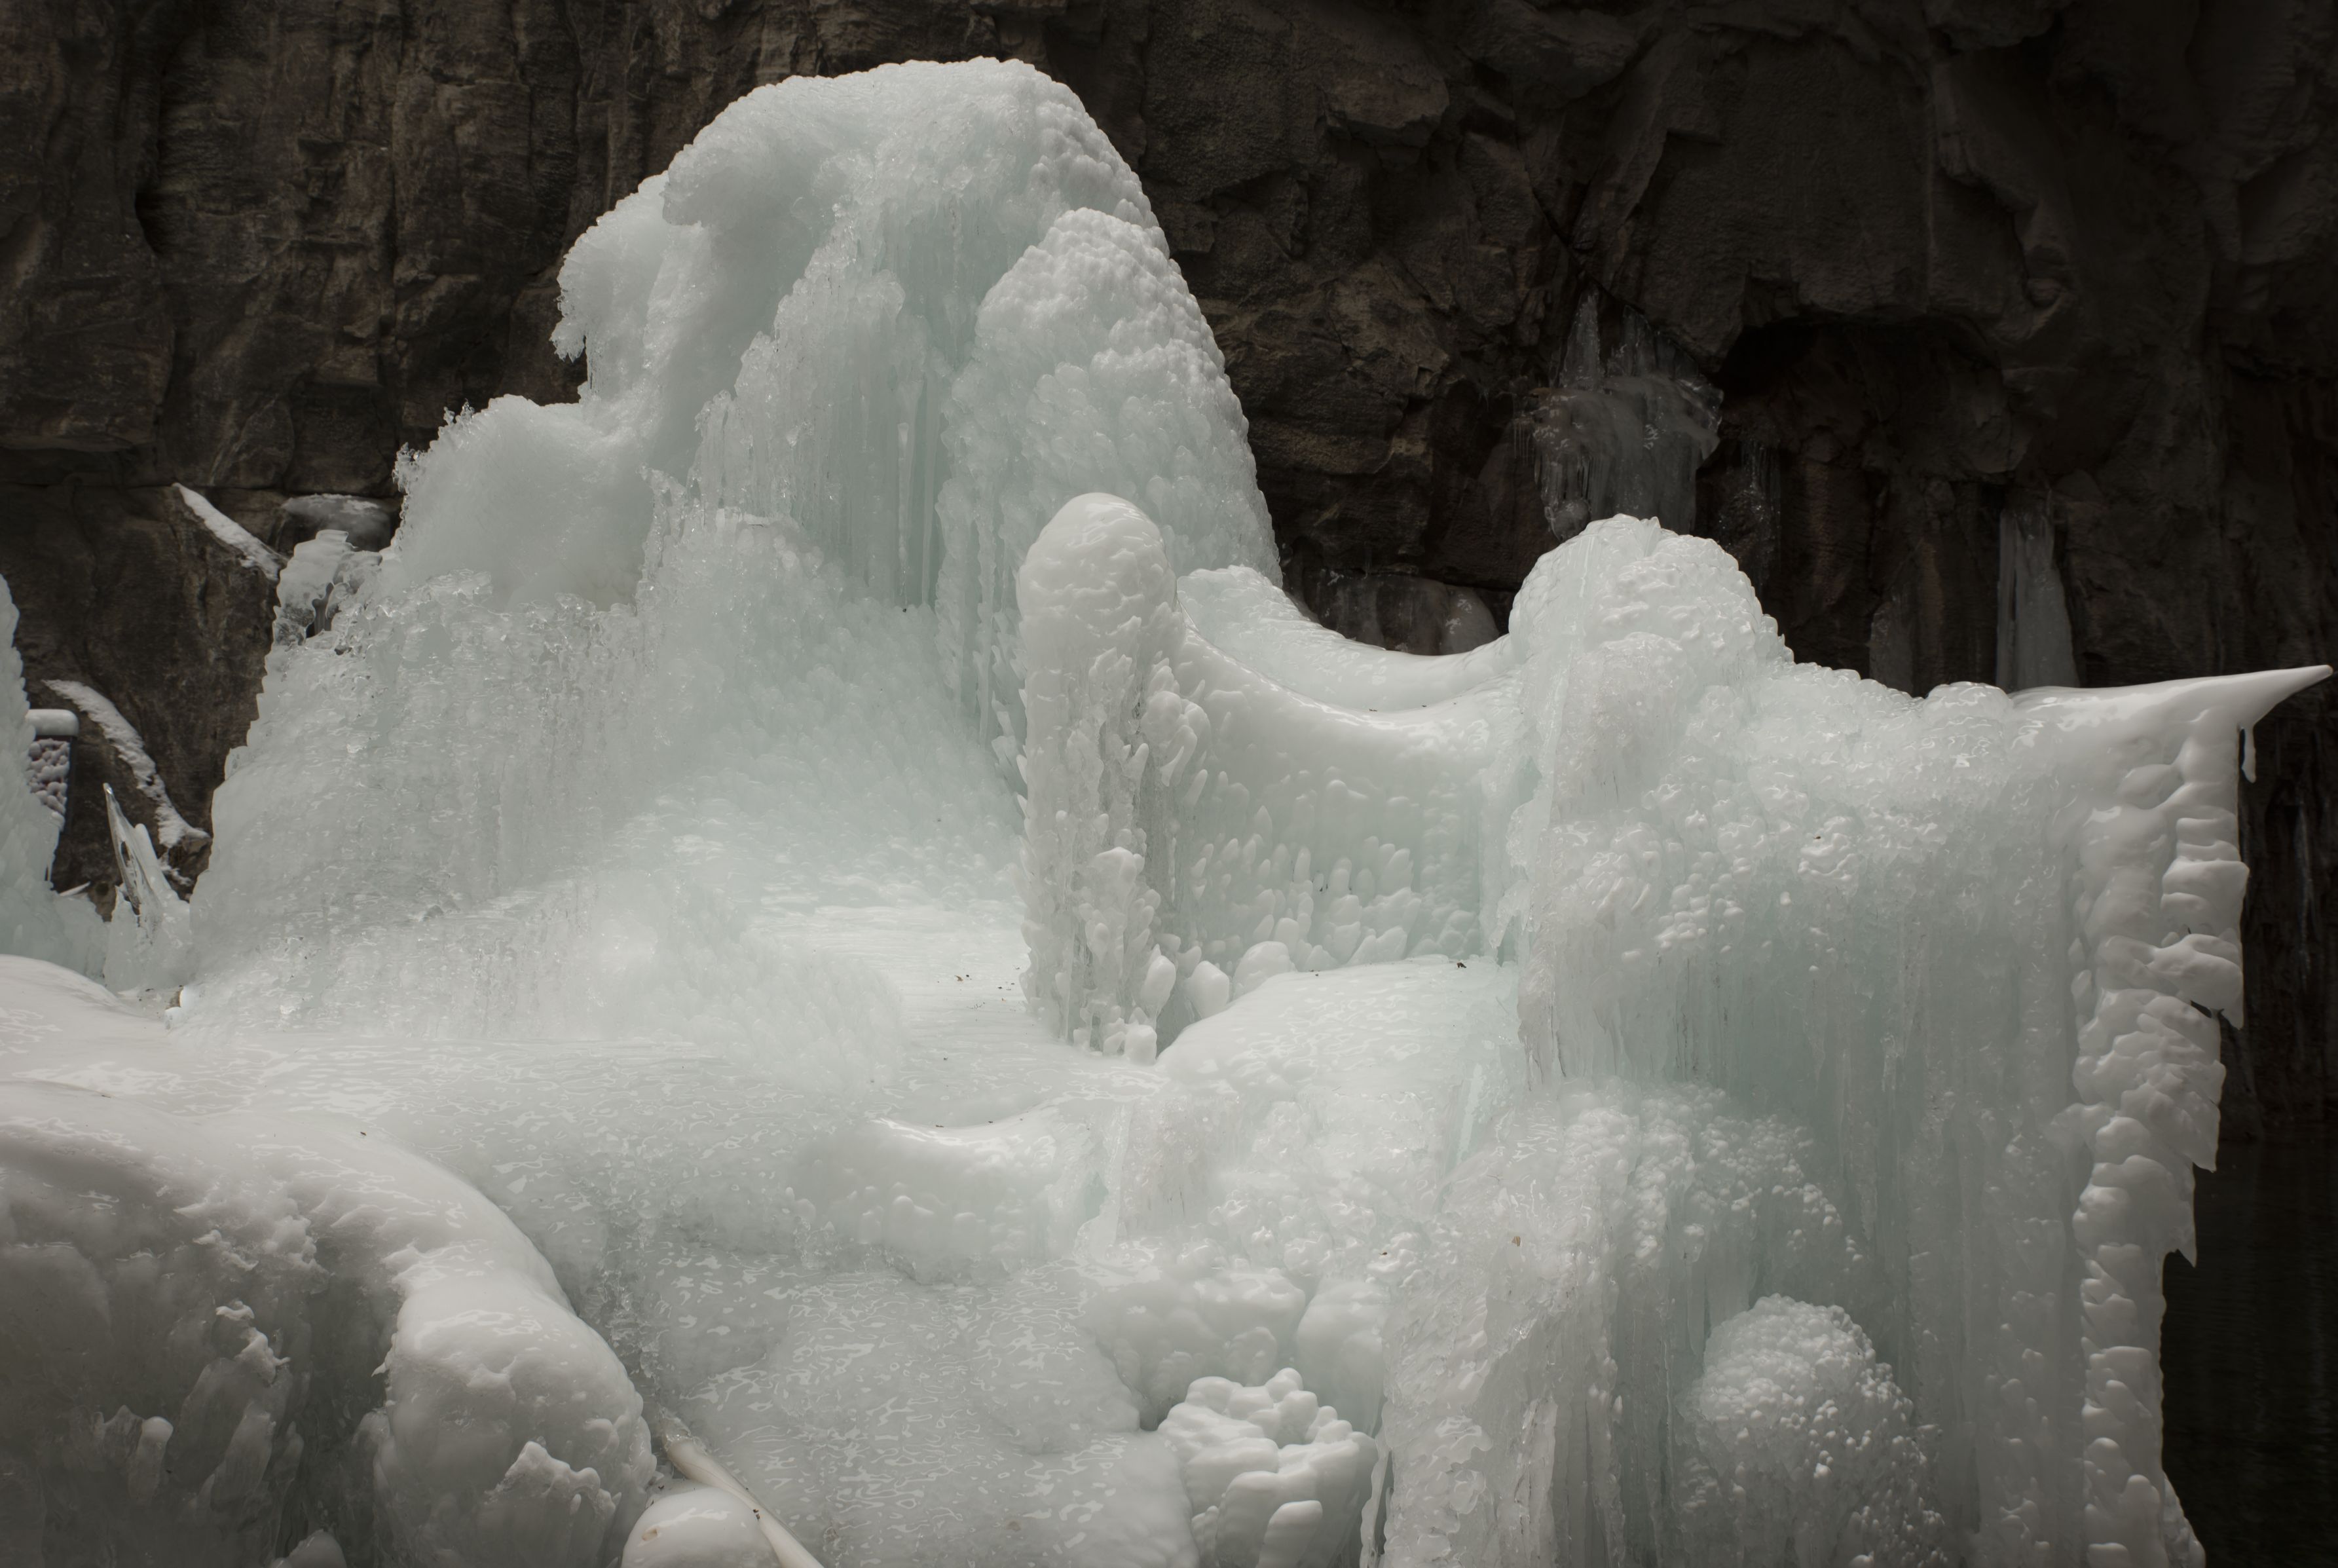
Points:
(821, 891)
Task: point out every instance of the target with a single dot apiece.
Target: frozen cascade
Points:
(2033, 618)
(824, 889)
(1626, 428)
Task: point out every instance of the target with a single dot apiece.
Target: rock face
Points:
(1998, 303)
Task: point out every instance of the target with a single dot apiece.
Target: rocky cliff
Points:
(1997, 335)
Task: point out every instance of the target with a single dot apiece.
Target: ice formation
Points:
(34, 920)
(823, 894)
(1795, 1446)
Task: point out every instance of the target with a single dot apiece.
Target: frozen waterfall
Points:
(822, 897)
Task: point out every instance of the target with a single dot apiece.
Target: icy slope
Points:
(822, 891)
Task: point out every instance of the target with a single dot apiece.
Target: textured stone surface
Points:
(1940, 257)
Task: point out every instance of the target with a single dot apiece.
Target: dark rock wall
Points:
(1941, 258)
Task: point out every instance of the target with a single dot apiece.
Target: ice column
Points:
(1099, 619)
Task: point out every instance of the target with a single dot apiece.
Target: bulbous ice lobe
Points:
(213, 1328)
(1092, 369)
(696, 1527)
(1796, 1446)
(1277, 1480)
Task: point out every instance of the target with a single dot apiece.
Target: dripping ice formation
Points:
(823, 894)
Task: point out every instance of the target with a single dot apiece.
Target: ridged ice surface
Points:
(823, 894)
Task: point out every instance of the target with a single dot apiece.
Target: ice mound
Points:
(223, 1327)
(1796, 1447)
(822, 891)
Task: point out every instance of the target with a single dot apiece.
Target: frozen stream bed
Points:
(819, 910)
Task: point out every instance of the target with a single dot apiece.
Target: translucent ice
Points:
(823, 892)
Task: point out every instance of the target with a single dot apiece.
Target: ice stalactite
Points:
(1626, 428)
(2033, 616)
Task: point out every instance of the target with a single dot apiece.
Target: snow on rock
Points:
(50, 760)
(1277, 1480)
(318, 1549)
(1796, 1446)
(173, 834)
(232, 534)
